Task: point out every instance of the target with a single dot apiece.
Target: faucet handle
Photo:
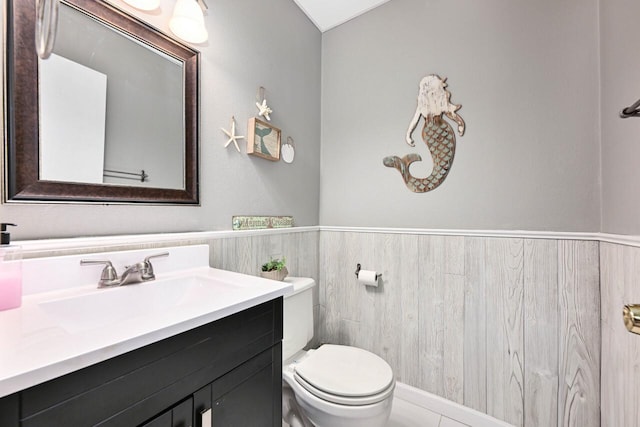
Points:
(109, 276)
(147, 272)
(162, 254)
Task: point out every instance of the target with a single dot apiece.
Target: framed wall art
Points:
(263, 140)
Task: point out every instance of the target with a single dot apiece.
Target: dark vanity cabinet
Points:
(225, 373)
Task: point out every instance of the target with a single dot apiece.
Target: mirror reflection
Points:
(113, 102)
(110, 116)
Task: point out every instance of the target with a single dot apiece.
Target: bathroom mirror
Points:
(111, 116)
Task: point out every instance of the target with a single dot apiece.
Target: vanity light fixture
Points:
(187, 21)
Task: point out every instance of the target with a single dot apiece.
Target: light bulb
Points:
(187, 22)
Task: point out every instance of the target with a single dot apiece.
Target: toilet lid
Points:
(344, 371)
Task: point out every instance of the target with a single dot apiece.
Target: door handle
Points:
(206, 418)
(631, 316)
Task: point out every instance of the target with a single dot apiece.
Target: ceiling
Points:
(327, 14)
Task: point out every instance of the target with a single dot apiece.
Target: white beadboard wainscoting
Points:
(620, 285)
(505, 322)
(245, 254)
(507, 326)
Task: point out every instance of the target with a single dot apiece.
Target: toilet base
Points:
(291, 411)
(373, 416)
(300, 406)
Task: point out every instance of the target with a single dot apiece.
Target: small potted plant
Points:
(275, 269)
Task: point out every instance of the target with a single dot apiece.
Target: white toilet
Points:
(334, 385)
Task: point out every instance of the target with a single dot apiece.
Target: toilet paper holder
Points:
(359, 267)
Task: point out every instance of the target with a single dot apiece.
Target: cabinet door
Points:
(180, 415)
(250, 404)
(163, 420)
(202, 411)
(245, 397)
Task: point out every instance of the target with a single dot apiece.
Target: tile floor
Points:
(413, 407)
(406, 414)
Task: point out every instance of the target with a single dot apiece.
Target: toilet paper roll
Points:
(368, 277)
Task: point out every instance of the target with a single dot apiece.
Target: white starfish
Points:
(264, 109)
(232, 135)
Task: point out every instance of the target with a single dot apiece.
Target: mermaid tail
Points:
(441, 141)
(262, 132)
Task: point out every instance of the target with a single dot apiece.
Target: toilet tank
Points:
(297, 316)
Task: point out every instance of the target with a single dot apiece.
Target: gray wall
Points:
(251, 43)
(620, 138)
(526, 74)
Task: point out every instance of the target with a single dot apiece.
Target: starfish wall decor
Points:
(264, 110)
(232, 135)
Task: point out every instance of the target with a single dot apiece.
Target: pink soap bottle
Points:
(10, 271)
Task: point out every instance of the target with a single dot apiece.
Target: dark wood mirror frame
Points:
(22, 181)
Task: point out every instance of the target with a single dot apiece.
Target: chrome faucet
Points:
(136, 273)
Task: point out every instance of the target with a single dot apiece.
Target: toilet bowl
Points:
(340, 386)
(334, 385)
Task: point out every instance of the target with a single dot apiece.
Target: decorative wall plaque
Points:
(433, 103)
(261, 222)
(263, 140)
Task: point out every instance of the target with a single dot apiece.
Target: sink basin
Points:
(104, 307)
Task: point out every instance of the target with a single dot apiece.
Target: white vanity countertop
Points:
(46, 337)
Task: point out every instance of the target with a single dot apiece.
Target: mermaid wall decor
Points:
(433, 103)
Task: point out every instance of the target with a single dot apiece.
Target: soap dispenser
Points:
(10, 271)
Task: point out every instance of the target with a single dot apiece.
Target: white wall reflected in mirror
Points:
(73, 102)
(143, 124)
